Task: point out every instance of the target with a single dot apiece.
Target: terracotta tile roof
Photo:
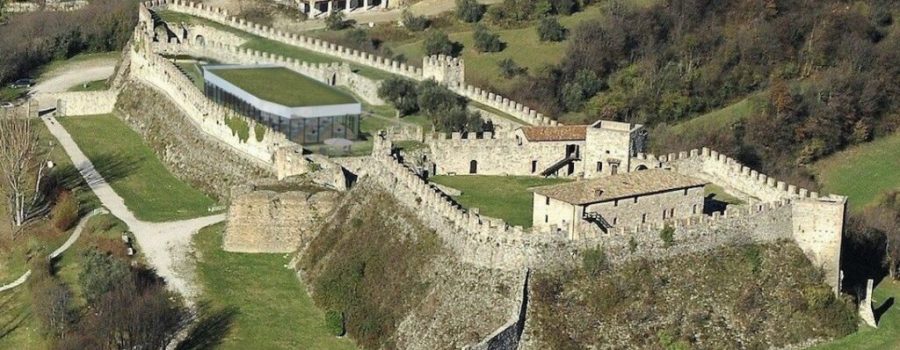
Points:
(618, 186)
(555, 133)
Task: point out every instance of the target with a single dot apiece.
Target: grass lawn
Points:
(863, 172)
(283, 86)
(272, 307)
(96, 85)
(133, 170)
(886, 336)
(720, 195)
(504, 197)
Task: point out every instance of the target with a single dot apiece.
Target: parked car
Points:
(22, 83)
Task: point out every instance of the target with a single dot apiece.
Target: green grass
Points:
(504, 197)
(721, 119)
(134, 171)
(886, 336)
(273, 309)
(193, 72)
(96, 85)
(720, 195)
(7, 93)
(864, 172)
(283, 86)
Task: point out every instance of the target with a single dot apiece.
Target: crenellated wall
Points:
(495, 154)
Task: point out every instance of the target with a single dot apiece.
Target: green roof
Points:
(282, 86)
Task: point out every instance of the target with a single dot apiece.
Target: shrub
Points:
(594, 261)
(412, 22)
(438, 43)
(239, 127)
(335, 21)
(632, 245)
(565, 7)
(549, 29)
(509, 68)
(667, 235)
(469, 10)
(486, 41)
(401, 93)
(260, 132)
(102, 273)
(435, 99)
(334, 322)
(65, 211)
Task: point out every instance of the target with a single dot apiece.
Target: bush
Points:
(401, 93)
(334, 321)
(260, 132)
(412, 22)
(549, 29)
(509, 68)
(469, 10)
(102, 273)
(336, 21)
(65, 211)
(486, 41)
(667, 235)
(435, 99)
(438, 43)
(594, 261)
(239, 127)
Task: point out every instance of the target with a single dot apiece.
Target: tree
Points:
(401, 93)
(438, 43)
(102, 273)
(509, 68)
(412, 22)
(667, 235)
(65, 211)
(469, 10)
(335, 21)
(549, 29)
(435, 99)
(565, 7)
(22, 170)
(486, 41)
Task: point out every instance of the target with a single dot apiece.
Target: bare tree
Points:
(21, 167)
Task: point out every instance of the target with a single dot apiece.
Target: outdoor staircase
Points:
(595, 218)
(559, 164)
(191, 78)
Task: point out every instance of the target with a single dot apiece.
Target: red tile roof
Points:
(555, 133)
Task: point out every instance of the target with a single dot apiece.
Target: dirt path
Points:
(165, 245)
(62, 79)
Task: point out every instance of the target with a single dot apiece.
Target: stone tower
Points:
(609, 147)
(444, 69)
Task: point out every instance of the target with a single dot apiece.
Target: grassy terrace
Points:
(863, 172)
(504, 197)
(134, 171)
(271, 307)
(96, 85)
(283, 86)
(887, 335)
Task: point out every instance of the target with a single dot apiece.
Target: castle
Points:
(621, 199)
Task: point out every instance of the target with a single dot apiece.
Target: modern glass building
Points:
(306, 110)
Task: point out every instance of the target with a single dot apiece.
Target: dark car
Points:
(22, 83)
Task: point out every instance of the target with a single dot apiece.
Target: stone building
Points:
(629, 199)
(315, 8)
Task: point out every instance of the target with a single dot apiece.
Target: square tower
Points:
(609, 147)
(444, 69)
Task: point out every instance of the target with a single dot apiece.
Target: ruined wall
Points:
(186, 151)
(499, 154)
(84, 102)
(270, 222)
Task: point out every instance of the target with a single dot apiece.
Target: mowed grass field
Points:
(271, 307)
(134, 171)
(504, 197)
(864, 172)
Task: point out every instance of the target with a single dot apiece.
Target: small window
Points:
(665, 211)
(695, 209)
(546, 218)
(607, 151)
(616, 203)
(643, 218)
(635, 199)
(672, 213)
(685, 192)
(615, 221)
(547, 201)
(533, 166)
(599, 166)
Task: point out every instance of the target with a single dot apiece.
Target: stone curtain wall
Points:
(496, 154)
(202, 112)
(84, 102)
(496, 101)
(508, 336)
(365, 88)
(269, 222)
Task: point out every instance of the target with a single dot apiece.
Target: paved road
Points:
(165, 245)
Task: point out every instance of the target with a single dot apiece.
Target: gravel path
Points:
(61, 80)
(165, 245)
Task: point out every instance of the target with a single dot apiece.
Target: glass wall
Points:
(300, 130)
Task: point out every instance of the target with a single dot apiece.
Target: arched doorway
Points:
(473, 167)
(641, 167)
(200, 40)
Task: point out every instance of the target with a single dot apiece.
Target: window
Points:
(599, 166)
(533, 166)
(664, 213)
(685, 192)
(546, 218)
(643, 218)
(607, 151)
(615, 221)
(695, 209)
(616, 203)
(635, 199)
(547, 202)
(672, 213)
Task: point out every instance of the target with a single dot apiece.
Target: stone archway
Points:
(473, 167)
(641, 167)
(200, 40)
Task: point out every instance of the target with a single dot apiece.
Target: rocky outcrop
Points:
(271, 222)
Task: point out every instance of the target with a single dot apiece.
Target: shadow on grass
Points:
(884, 307)
(112, 166)
(212, 326)
(10, 318)
(711, 204)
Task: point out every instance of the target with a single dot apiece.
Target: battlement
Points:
(618, 126)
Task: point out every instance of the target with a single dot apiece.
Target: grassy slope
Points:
(862, 172)
(283, 86)
(96, 85)
(886, 336)
(273, 309)
(133, 170)
(504, 197)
